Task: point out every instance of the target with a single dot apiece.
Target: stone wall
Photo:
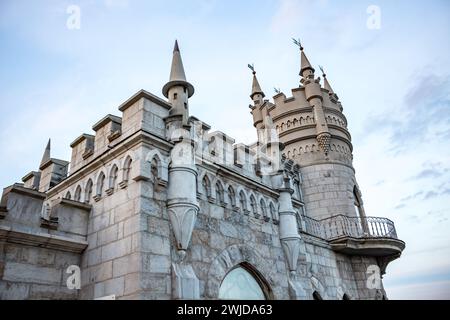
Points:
(35, 273)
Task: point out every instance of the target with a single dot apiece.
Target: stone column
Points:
(182, 210)
(289, 235)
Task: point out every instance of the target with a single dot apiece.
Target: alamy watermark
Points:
(374, 20)
(74, 20)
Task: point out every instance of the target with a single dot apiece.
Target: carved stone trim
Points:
(123, 184)
(87, 153)
(51, 224)
(114, 135)
(41, 239)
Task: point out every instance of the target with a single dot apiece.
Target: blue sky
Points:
(394, 84)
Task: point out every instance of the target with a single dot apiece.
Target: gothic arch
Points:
(254, 205)
(77, 195)
(100, 184)
(239, 255)
(264, 209)
(68, 195)
(113, 176)
(206, 185)
(231, 196)
(126, 168)
(219, 191)
(273, 212)
(243, 200)
(88, 191)
(157, 165)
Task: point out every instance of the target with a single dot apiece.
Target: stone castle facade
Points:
(156, 206)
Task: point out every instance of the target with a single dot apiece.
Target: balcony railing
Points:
(343, 226)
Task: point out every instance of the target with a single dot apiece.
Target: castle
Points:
(157, 206)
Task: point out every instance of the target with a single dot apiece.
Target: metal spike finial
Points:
(251, 67)
(277, 90)
(298, 43)
(323, 72)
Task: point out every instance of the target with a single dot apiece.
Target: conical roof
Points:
(177, 75)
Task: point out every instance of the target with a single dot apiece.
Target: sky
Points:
(388, 61)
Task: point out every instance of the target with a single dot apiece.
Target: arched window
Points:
(357, 202)
(317, 296)
(254, 206)
(264, 210)
(243, 201)
(345, 297)
(361, 223)
(240, 284)
(100, 184)
(113, 177)
(273, 213)
(77, 196)
(88, 191)
(206, 186)
(231, 197)
(127, 169)
(155, 167)
(219, 193)
(68, 195)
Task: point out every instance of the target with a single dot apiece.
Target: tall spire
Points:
(46, 155)
(304, 62)
(256, 88)
(326, 84)
(177, 75)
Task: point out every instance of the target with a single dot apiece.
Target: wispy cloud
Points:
(424, 115)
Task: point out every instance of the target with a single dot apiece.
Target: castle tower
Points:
(314, 131)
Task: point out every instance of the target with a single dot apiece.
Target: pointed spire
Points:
(304, 62)
(177, 75)
(326, 84)
(46, 155)
(256, 88)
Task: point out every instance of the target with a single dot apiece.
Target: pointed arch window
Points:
(254, 206)
(68, 195)
(77, 196)
(88, 191)
(127, 169)
(264, 210)
(219, 194)
(243, 201)
(100, 184)
(273, 213)
(155, 168)
(240, 284)
(231, 197)
(113, 177)
(206, 186)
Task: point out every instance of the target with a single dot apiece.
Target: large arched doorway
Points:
(241, 283)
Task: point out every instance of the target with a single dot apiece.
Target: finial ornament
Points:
(323, 72)
(298, 43)
(252, 67)
(277, 90)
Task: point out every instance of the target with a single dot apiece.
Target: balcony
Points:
(368, 236)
